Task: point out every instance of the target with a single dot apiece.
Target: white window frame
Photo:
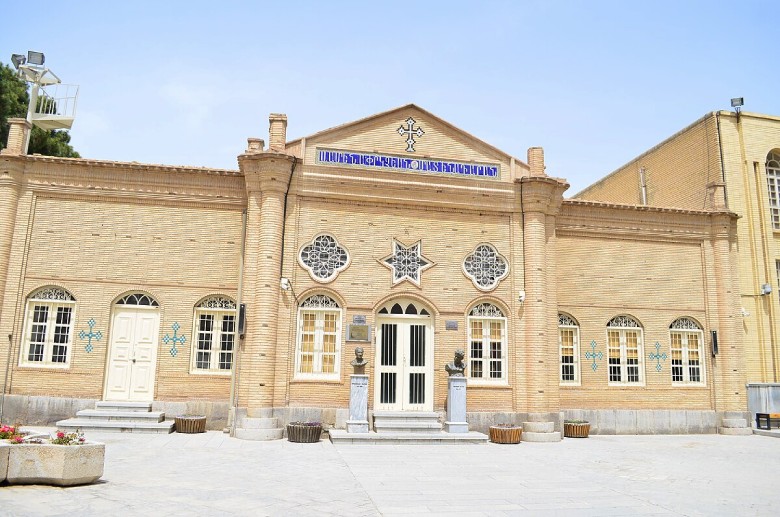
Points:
(773, 187)
(486, 313)
(568, 323)
(53, 298)
(623, 325)
(685, 328)
(219, 308)
(318, 306)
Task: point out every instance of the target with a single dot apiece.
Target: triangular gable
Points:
(408, 139)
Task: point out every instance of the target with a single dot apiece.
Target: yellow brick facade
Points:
(102, 230)
(721, 160)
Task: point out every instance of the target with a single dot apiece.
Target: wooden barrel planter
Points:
(190, 424)
(576, 429)
(304, 432)
(504, 433)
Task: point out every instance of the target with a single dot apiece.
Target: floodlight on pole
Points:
(53, 109)
(18, 60)
(737, 103)
(35, 58)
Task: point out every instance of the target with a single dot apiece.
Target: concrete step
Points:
(259, 423)
(736, 431)
(406, 422)
(119, 426)
(406, 415)
(541, 437)
(139, 416)
(259, 434)
(107, 405)
(340, 436)
(407, 427)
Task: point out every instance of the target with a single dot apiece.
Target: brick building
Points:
(400, 234)
(729, 160)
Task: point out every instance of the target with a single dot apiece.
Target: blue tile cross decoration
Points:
(175, 339)
(594, 355)
(658, 356)
(90, 335)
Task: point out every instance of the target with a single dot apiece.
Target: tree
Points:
(14, 100)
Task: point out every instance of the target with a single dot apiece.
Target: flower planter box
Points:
(504, 434)
(576, 429)
(4, 450)
(190, 424)
(300, 433)
(60, 465)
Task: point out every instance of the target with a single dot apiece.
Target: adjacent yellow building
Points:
(729, 160)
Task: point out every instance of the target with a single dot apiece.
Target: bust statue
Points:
(359, 363)
(457, 366)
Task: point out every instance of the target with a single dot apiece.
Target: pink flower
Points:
(60, 434)
(17, 439)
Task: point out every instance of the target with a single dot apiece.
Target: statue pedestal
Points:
(358, 404)
(456, 406)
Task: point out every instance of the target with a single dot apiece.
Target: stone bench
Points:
(768, 419)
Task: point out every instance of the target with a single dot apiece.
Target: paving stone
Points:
(604, 475)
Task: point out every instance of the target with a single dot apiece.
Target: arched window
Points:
(569, 346)
(773, 186)
(139, 299)
(48, 328)
(687, 340)
(400, 307)
(319, 338)
(624, 347)
(215, 335)
(487, 343)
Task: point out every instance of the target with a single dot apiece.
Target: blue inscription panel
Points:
(400, 163)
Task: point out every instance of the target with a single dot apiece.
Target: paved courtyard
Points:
(213, 474)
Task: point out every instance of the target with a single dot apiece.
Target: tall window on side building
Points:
(686, 346)
(625, 351)
(487, 344)
(569, 345)
(777, 272)
(48, 333)
(318, 344)
(773, 186)
(215, 335)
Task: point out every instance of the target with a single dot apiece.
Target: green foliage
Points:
(13, 103)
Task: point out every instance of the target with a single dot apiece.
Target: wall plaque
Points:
(358, 333)
(359, 319)
(451, 324)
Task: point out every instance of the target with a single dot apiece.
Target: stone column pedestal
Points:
(456, 406)
(358, 404)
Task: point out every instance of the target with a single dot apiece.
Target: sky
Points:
(594, 83)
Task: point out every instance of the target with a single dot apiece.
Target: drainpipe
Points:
(5, 379)
(643, 185)
(236, 354)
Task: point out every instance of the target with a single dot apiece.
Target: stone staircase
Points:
(258, 427)
(122, 417)
(401, 427)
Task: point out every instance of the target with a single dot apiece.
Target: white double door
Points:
(132, 355)
(403, 378)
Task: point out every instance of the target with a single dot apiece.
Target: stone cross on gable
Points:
(411, 132)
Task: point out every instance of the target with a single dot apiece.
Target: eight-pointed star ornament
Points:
(406, 262)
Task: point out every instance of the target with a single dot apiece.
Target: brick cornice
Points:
(90, 178)
(397, 188)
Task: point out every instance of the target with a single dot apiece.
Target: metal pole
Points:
(5, 379)
(30, 110)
